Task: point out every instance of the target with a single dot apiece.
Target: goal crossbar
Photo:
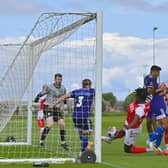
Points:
(65, 29)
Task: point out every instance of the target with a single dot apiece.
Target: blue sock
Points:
(158, 133)
(84, 143)
(158, 140)
(150, 134)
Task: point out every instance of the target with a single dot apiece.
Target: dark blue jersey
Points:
(157, 101)
(83, 99)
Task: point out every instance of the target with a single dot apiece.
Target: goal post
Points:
(66, 43)
(98, 102)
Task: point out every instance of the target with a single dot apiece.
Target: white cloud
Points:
(125, 61)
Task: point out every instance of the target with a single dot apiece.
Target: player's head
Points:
(140, 95)
(58, 79)
(155, 71)
(45, 87)
(86, 83)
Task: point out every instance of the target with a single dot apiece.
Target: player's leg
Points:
(157, 136)
(40, 120)
(41, 125)
(130, 139)
(151, 123)
(49, 119)
(86, 126)
(46, 130)
(61, 123)
(166, 142)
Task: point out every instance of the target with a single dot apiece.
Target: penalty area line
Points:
(112, 165)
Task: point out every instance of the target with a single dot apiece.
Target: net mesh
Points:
(58, 43)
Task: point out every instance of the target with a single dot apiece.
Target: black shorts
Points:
(55, 113)
(83, 124)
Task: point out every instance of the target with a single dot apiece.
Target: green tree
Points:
(110, 98)
(128, 100)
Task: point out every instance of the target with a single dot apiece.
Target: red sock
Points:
(135, 149)
(41, 123)
(166, 136)
(120, 134)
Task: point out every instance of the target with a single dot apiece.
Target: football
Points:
(111, 131)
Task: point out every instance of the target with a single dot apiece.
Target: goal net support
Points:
(66, 43)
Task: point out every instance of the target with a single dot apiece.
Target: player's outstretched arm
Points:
(59, 100)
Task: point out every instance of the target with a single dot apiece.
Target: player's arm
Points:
(134, 122)
(150, 90)
(139, 113)
(162, 90)
(60, 99)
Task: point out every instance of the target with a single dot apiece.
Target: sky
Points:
(127, 34)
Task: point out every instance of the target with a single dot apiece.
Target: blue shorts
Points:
(151, 114)
(158, 112)
(83, 124)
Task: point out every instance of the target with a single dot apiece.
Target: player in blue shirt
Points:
(83, 99)
(157, 107)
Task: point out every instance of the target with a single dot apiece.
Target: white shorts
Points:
(131, 135)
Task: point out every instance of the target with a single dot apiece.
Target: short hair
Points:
(86, 82)
(155, 68)
(141, 93)
(58, 75)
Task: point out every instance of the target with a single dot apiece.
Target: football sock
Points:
(150, 134)
(44, 133)
(40, 123)
(166, 137)
(84, 143)
(62, 135)
(135, 149)
(157, 135)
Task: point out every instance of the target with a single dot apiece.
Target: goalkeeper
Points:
(54, 91)
(135, 113)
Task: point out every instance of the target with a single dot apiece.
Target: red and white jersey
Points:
(137, 109)
(42, 101)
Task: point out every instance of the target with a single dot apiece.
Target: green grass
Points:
(113, 154)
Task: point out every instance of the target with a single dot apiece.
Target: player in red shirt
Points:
(40, 115)
(132, 128)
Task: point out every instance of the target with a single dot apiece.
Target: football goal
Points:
(66, 43)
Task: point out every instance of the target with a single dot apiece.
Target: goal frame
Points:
(98, 103)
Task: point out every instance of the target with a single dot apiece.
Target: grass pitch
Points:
(113, 154)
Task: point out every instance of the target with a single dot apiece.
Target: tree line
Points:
(110, 102)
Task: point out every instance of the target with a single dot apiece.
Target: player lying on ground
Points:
(136, 111)
(83, 99)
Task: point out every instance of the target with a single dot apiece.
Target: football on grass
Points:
(111, 131)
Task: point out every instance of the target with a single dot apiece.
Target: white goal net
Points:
(66, 43)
